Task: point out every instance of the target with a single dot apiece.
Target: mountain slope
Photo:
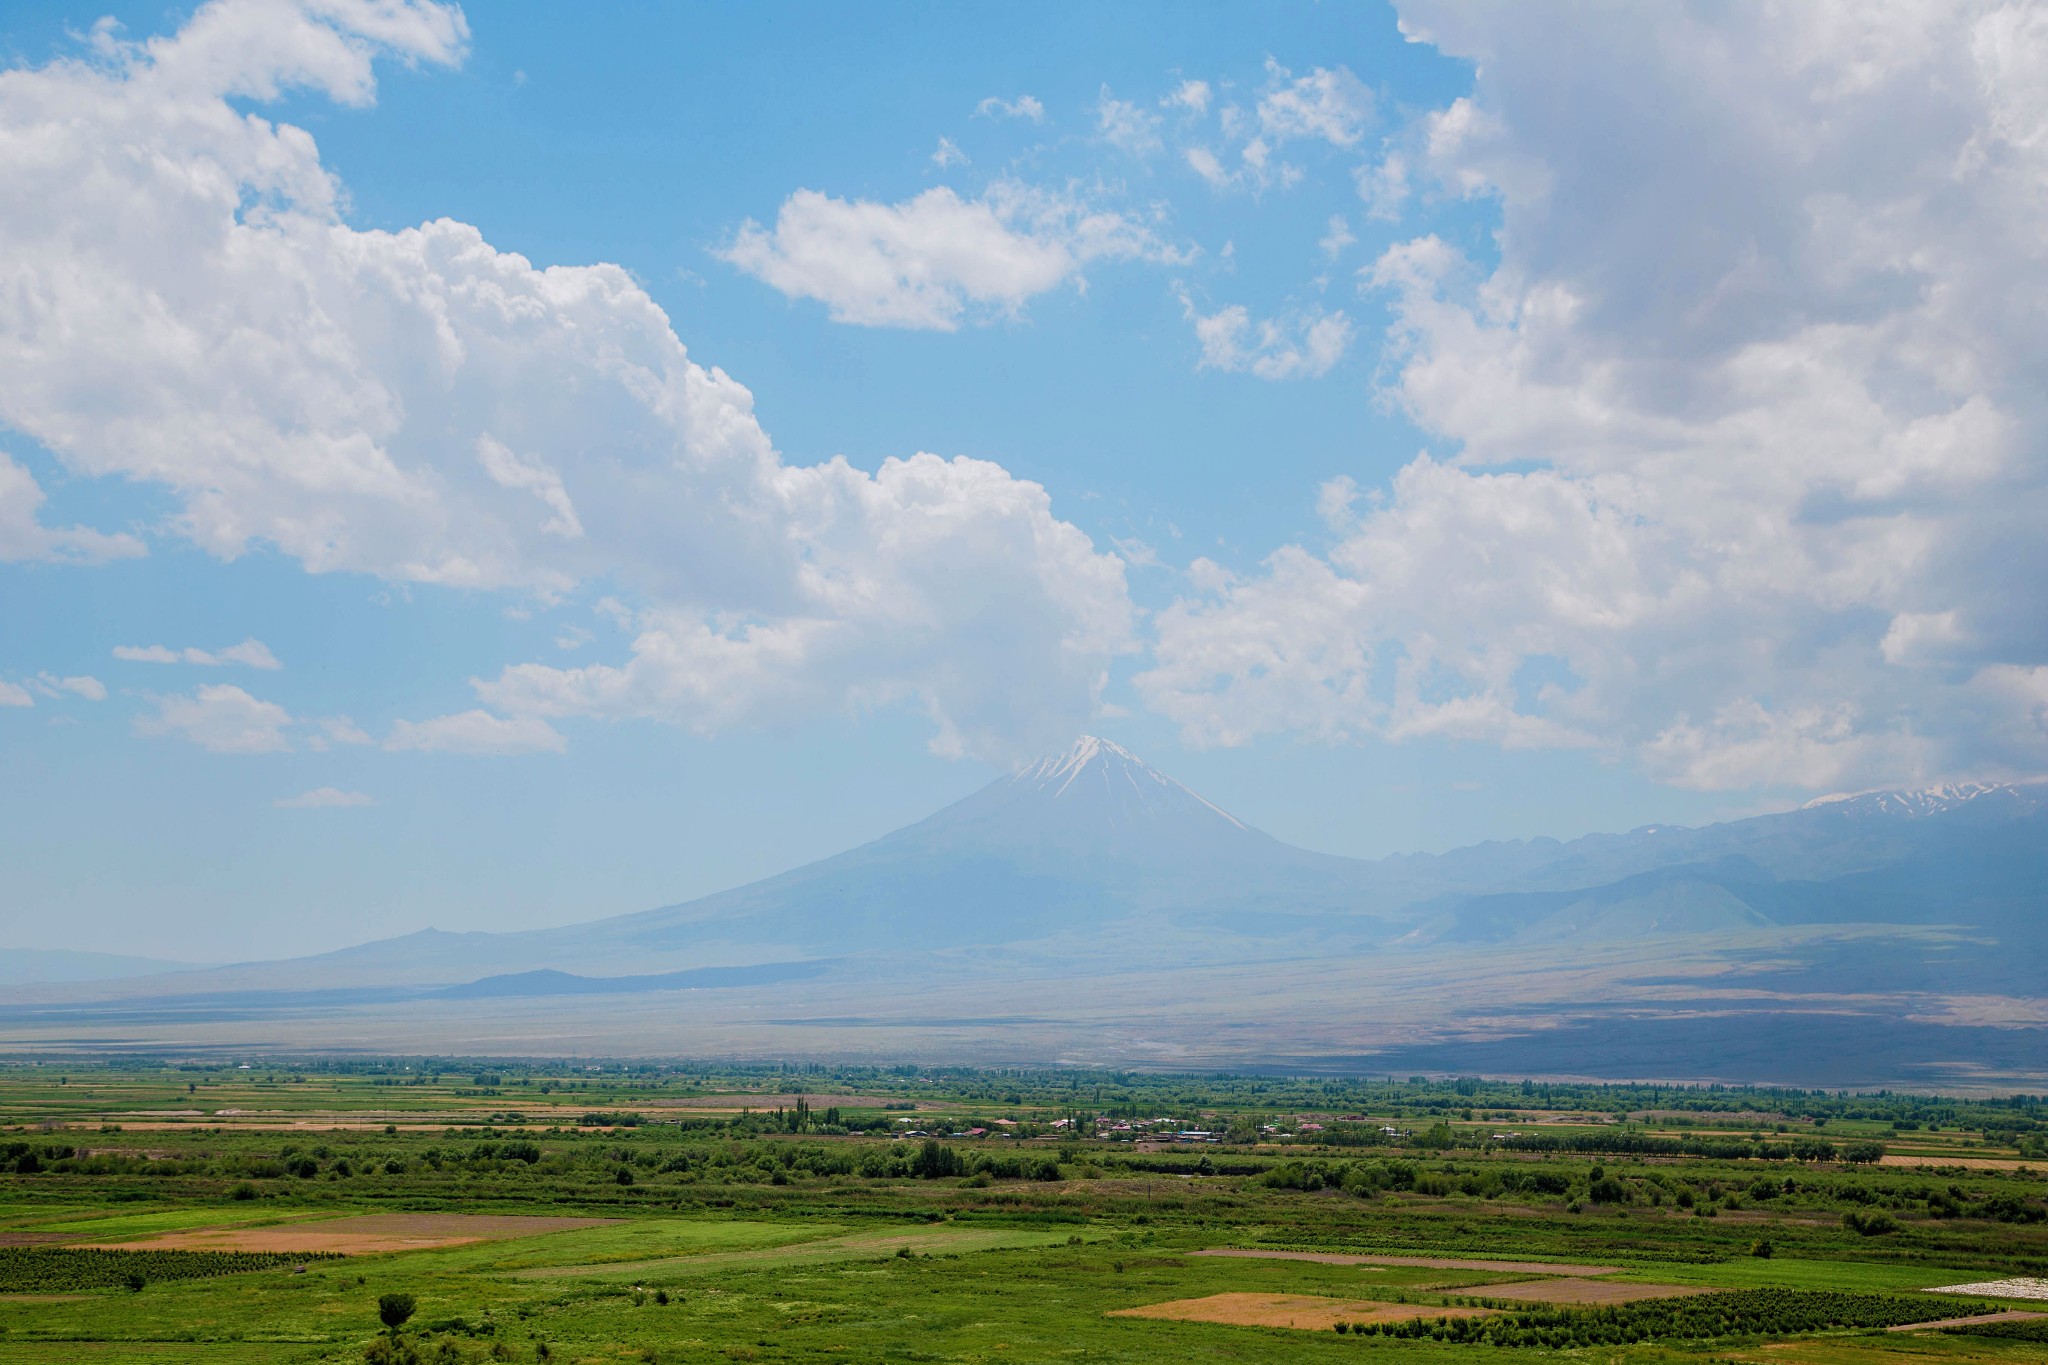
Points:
(1092, 861)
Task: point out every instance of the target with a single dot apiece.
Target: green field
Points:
(1029, 1206)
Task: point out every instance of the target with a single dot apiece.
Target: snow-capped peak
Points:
(1097, 767)
(1945, 796)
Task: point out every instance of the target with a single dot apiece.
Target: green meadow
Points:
(906, 1214)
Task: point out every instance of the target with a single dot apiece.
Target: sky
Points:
(494, 469)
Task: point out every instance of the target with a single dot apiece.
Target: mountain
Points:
(1088, 852)
(1095, 886)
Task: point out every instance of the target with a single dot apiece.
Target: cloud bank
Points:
(1743, 437)
(183, 303)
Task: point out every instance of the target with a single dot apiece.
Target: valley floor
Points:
(535, 1212)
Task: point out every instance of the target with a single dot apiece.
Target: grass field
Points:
(711, 1214)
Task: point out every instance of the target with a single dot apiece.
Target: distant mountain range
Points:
(25, 966)
(1094, 866)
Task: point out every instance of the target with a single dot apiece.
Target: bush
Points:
(1874, 1223)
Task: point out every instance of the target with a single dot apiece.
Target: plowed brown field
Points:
(370, 1232)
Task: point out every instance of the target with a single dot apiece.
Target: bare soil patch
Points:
(1308, 1312)
(2020, 1287)
(1968, 1163)
(367, 1233)
(2010, 1315)
(29, 1239)
(1427, 1262)
(1577, 1291)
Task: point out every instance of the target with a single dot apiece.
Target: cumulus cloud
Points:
(183, 303)
(883, 613)
(1301, 345)
(1024, 107)
(931, 261)
(84, 685)
(24, 537)
(1747, 430)
(476, 733)
(1191, 95)
(323, 798)
(14, 694)
(1328, 105)
(251, 653)
(222, 719)
(1126, 125)
(948, 154)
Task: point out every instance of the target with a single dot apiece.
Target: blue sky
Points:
(1611, 433)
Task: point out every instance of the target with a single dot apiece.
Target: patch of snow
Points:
(1933, 800)
(1093, 760)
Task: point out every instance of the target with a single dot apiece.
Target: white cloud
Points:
(948, 154)
(13, 694)
(1024, 107)
(1125, 125)
(91, 688)
(932, 260)
(323, 798)
(251, 653)
(882, 614)
(333, 730)
(222, 719)
(1206, 164)
(476, 733)
(1337, 239)
(1327, 104)
(509, 471)
(1384, 187)
(183, 304)
(1193, 96)
(1748, 425)
(24, 537)
(1301, 345)
(1336, 502)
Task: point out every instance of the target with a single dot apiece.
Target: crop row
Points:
(47, 1269)
(1746, 1312)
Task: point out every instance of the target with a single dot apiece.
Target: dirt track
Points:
(1427, 1262)
(2010, 1315)
(1307, 1312)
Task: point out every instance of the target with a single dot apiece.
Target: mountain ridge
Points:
(1094, 857)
